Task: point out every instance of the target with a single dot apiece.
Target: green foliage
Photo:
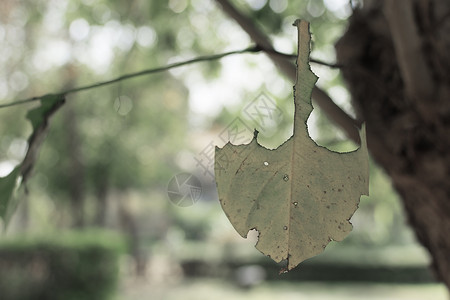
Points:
(67, 266)
(118, 150)
(138, 151)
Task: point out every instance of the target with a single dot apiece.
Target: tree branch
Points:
(334, 112)
(258, 37)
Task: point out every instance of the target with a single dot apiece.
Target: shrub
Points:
(69, 266)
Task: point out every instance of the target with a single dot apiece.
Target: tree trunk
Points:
(101, 191)
(396, 58)
(76, 175)
(130, 225)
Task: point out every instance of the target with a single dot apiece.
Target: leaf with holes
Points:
(299, 196)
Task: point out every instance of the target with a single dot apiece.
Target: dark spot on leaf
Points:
(339, 190)
(324, 192)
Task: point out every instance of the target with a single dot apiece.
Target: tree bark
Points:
(397, 66)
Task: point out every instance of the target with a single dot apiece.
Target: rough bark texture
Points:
(396, 57)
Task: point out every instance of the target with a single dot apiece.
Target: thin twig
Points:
(313, 60)
(323, 63)
(251, 49)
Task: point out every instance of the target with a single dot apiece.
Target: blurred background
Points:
(101, 217)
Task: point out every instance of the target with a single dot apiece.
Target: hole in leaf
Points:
(253, 236)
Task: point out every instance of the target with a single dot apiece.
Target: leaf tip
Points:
(283, 271)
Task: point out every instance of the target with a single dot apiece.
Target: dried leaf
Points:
(299, 196)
